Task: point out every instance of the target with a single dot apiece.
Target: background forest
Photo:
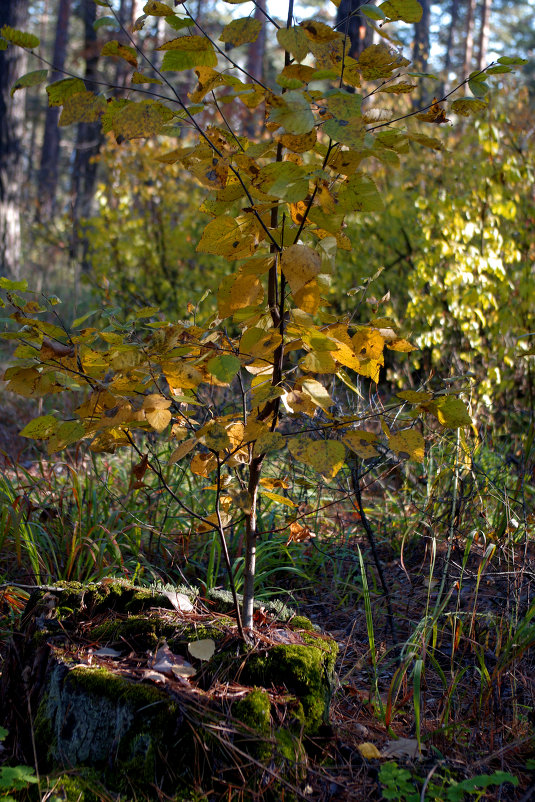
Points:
(411, 544)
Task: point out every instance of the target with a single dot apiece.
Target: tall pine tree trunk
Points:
(484, 32)
(353, 24)
(448, 60)
(88, 141)
(420, 47)
(469, 38)
(12, 111)
(48, 173)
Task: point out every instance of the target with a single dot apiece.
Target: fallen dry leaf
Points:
(403, 747)
(171, 664)
(202, 649)
(180, 601)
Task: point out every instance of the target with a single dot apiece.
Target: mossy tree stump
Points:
(81, 667)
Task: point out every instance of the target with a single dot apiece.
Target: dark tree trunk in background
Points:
(448, 60)
(12, 66)
(88, 140)
(469, 38)
(257, 49)
(420, 50)
(484, 32)
(420, 47)
(353, 25)
(255, 64)
(48, 173)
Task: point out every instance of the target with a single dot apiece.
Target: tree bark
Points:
(469, 38)
(12, 112)
(454, 16)
(88, 141)
(353, 25)
(420, 47)
(484, 32)
(48, 173)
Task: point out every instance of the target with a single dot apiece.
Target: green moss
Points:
(304, 670)
(76, 787)
(302, 622)
(254, 710)
(254, 713)
(105, 684)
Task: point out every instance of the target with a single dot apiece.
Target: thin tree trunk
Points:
(88, 142)
(255, 62)
(454, 16)
(12, 114)
(353, 25)
(484, 32)
(469, 38)
(48, 173)
(420, 47)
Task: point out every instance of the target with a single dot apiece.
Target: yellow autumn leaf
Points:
(277, 498)
(450, 411)
(324, 456)
(415, 396)
(317, 393)
(182, 450)
(240, 31)
(408, 444)
(157, 9)
(308, 297)
(181, 375)
(362, 443)
(158, 418)
(203, 464)
(239, 291)
(369, 751)
(223, 236)
(214, 436)
(300, 265)
(368, 344)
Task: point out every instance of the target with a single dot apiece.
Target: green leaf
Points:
(404, 10)
(16, 778)
(84, 107)
(295, 41)
(59, 91)
(105, 22)
(157, 9)
(324, 456)
(67, 433)
(293, 113)
(9, 284)
(372, 12)
(19, 37)
(359, 194)
(509, 60)
(478, 88)
(284, 180)
(240, 31)
(186, 52)
(465, 106)
(224, 367)
(115, 48)
(30, 79)
(40, 428)
(3, 44)
(135, 119)
(178, 23)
